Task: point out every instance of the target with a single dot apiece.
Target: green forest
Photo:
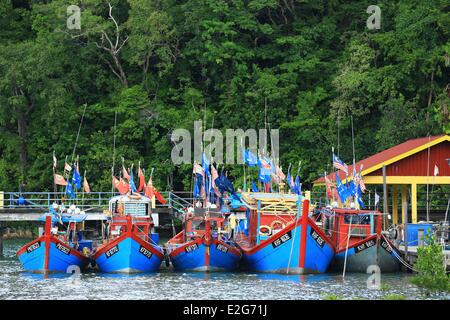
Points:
(306, 67)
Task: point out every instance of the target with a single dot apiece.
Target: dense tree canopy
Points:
(160, 65)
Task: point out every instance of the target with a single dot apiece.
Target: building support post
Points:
(414, 202)
(1, 239)
(385, 198)
(404, 205)
(394, 204)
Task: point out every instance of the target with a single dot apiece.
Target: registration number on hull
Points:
(191, 248)
(364, 246)
(112, 251)
(33, 246)
(319, 240)
(62, 248)
(283, 239)
(145, 252)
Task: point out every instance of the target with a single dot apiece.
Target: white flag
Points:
(54, 160)
(377, 198)
(436, 170)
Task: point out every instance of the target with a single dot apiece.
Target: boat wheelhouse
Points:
(130, 243)
(358, 239)
(281, 237)
(203, 244)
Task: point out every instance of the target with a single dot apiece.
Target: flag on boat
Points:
(125, 173)
(59, 180)
(76, 178)
(249, 158)
(436, 170)
(214, 179)
(339, 164)
(141, 178)
(362, 185)
(69, 191)
(297, 186)
(205, 164)
(279, 175)
(54, 160)
(198, 169)
(341, 189)
(67, 167)
(86, 186)
(159, 196)
(254, 187)
(377, 199)
(131, 180)
(359, 197)
(148, 189)
(290, 181)
(121, 185)
(265, 170)
(328, 186)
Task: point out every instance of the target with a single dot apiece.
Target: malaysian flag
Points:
(362, 185)
(339, 164)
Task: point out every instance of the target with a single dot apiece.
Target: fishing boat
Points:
(358, 239)
(203, 244)
(56, 251)
(281, 237)
(130, 245)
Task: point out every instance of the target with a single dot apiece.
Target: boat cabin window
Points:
(357, 219)
(198, 224)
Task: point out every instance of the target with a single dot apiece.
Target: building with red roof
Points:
(408, 165)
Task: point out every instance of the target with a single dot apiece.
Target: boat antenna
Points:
(114, 153)
(78, 133)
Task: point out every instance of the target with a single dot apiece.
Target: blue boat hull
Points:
(366, 254)
(60, 257)
(196, 256)
(128, 255)
(282, 253)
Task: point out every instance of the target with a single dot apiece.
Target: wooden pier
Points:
(410, 255)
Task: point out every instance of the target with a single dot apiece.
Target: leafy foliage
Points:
(162, 64)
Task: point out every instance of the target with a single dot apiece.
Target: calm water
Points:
(17, 284)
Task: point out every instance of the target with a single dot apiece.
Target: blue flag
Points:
(250, 159)
(341, 189)
(297, 186)
(359, 193)
(205, 164)
(254, 187)
(76, 178)
(264, 175)
(198, 185)
(132, 184)
(70, 191)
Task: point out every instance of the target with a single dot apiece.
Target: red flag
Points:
(121, 185)
(125, 173)
(86, 187)
(198, 169)
(141, 180)
(214, 176)
(59, 180)
(159, 196)
(148, 189)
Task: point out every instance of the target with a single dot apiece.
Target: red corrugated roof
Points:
(383, 156)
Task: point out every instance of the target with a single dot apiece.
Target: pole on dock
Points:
(405, 229)
(1, 239)
(385, 200)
